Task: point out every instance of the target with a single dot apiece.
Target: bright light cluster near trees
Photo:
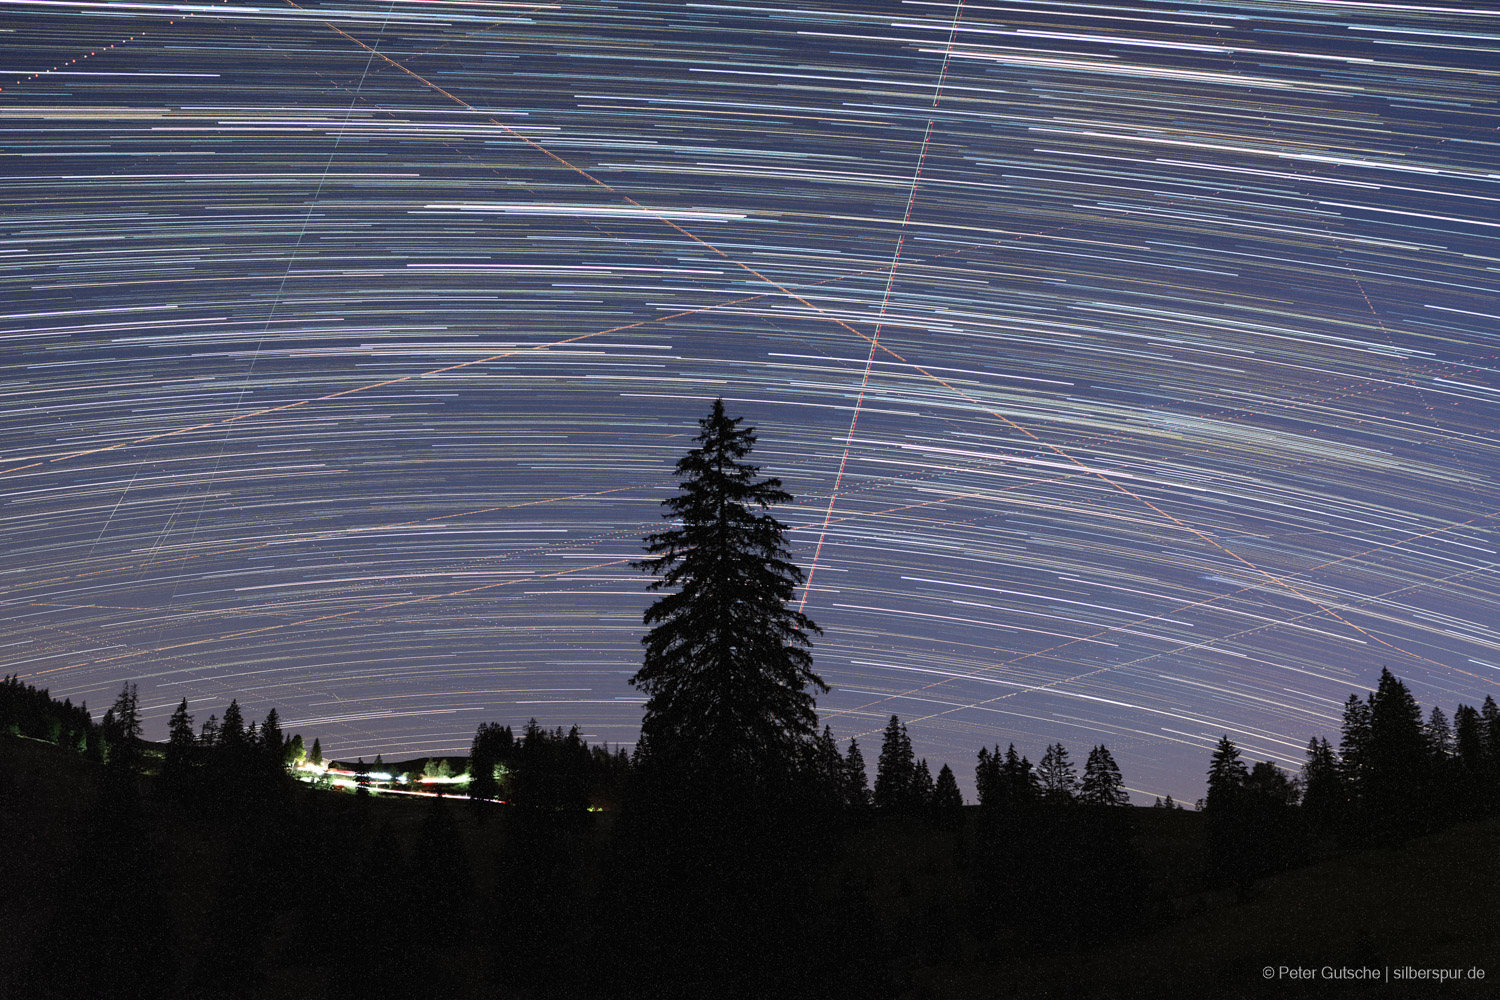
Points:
(381, 782)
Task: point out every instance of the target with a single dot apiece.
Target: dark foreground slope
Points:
(108, 892)
(1431, 903)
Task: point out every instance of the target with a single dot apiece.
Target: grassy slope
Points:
(1430, 903)
(46, 797)
(1434, 902)
(44, 793)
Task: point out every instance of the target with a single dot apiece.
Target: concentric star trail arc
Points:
(1136, 361)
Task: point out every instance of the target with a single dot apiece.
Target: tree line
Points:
(33, 712)
(1393, 775)
(546, 770)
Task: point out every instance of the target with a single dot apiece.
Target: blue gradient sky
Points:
(1133, 366)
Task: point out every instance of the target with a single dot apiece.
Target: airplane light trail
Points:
(1135, 361)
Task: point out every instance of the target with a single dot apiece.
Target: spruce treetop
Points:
(727, 669)
(1103, 784)
(1226, 775)
(1058, 779)
(180, 726)
(896, 769)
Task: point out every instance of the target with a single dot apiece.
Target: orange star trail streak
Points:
(1132, 368)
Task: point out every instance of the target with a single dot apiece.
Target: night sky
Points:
(1133, 366)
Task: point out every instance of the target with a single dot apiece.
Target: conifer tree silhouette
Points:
(1354, 743)
(895, 771)
(182, 748)
(1395, 789)
(1323, 795)
(922, 785)
(987, 777)
(1018, 779)
(1226, 775)
(727, 670)
(122, 729)
(947, 800)
(1103, 784)
(856, 780)
(1058, 779)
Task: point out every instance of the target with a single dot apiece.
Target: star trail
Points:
(1133, 365)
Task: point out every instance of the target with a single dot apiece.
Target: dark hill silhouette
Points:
(522, 902)
(1428, 903)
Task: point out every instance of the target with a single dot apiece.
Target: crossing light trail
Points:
(885, 301)
(983, 671)
(40, 462)
(872, 339)
(1136, 357)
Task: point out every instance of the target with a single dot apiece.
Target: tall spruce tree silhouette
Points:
(122, 728)
(727, 667)
(493, 746)
(1018, 778)
(1354, 749)
(1475, 764)
(1395, 782)
(1235, 833)
(1324, 800)
(856, 781)
(825, 768)
(181, 755)
(895, 771)
(987, 777)
(1226, 775)
(922, 786)
(947, 800)
(711, 850)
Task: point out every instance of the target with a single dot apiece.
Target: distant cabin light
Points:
(378, 782)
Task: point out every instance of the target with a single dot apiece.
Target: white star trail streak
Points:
(1133, 367)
